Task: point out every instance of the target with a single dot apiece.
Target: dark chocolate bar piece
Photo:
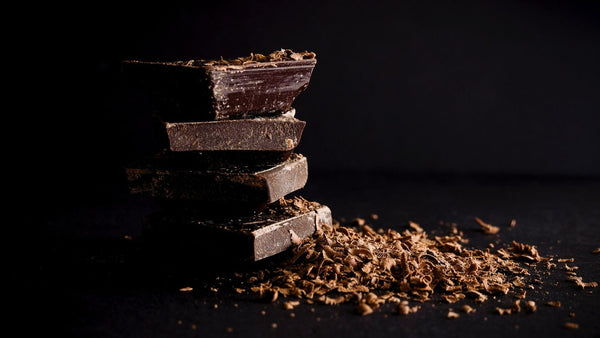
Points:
(255, 185)
(200, 90)
(253, 237)
(215, 160)
(278, 134)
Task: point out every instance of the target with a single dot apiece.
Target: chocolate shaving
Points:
(565, 260)
(580, 283)
(467, 309)
(571, 326)
(571, 268)
(554, 303)
(487, 229)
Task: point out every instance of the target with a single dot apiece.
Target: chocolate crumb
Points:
(530, 306)
(358, 222)
(596, 251)
(487, 229)
(503, 311)
(571, 326)
(363, 309)
(467, 309)
(565, 260)
(571, 268)
(555, 303)
(516, 306)
(521, 294)
(452, 314)
(289, 305)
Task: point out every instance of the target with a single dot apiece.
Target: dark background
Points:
(401, 87)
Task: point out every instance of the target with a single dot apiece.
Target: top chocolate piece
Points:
(245, 87)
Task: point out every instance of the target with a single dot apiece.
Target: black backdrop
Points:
(407, 87)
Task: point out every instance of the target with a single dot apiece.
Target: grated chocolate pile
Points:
(369, 268)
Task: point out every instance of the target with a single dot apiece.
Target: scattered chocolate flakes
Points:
(513, 223)
(571, 314)
(525, 251)
(487, 229)
(186, 289)
(554, 303)
(371, 267)
(571, 326)
(596, 251)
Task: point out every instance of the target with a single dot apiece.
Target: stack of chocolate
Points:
(226, 163)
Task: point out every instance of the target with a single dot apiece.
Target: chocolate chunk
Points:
(278, 134)
(255, 185)
(202, 90)
(253, 237)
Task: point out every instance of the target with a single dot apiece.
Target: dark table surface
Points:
(98, 280)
